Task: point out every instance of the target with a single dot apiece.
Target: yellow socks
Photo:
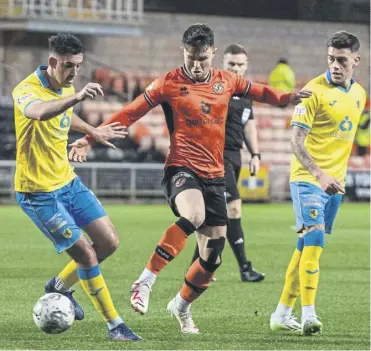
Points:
(291, 289)
(309, 274)
(68, 276)
(94, 285)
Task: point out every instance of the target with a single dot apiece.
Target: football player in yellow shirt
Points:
(47, 188)
(323, 130)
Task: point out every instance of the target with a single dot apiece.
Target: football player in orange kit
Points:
(195, 99)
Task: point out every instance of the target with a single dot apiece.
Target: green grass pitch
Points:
(230, 315)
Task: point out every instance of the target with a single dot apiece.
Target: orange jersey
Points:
(196, 114)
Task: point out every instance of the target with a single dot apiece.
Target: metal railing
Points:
(128, 180)
(118, 11)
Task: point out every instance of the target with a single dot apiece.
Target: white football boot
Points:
(311, 325)
(187, 325)
(284, 323)
(139, 299)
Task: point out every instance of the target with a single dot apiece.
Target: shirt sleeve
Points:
(25, 96)
(242, 86)
(264, 93)
(154, 92)
(304, 113)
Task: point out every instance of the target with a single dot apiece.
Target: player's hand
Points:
(110, 131)
(329, 184)
(295, 98)
(254, 166)
(79, 150)
(90, 91)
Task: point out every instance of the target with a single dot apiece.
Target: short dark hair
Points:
(344, 40)
(199, 35)
(282, 60)
(235, 49)
(65, 44)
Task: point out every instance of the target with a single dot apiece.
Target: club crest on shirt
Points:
(205, 107)
(313, 213)
(218, 88)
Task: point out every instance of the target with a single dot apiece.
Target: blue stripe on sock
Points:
(300, 244)
(315, 238)
(88, 273)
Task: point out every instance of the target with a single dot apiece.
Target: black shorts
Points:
(178, 179)
(232, 169)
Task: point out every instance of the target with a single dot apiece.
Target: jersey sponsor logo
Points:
(246, 115)
(311, 204)
(183, 91)
(346, 125)
(65, 121)
(300, 110)
(205, 107)
(24, 98)
(332, 103)
(313, 213)
(218, 88)
(203, 122)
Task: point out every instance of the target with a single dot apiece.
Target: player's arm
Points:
(101, 134)
(128, 115)
(43, 110)
(251, 141)
(301, 124)
(264, 93)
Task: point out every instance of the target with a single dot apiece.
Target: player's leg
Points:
(95, 287)
(235, 233)
(57, 224)
(51, 217)
(186, 200)
(105, 241)
(309, 263)
(90, 215)
(282, 319)
(211, 240)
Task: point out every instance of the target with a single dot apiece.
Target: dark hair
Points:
(66, 44)
(282, 60)
(344, 40)
(235, 49)
(199, 35)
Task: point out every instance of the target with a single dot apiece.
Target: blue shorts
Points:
(61, 214)
(313, 206)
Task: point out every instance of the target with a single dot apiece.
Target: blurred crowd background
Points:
(131, 42)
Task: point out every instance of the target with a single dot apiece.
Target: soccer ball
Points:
(53, 313)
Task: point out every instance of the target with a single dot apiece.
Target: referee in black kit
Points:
(240, 127)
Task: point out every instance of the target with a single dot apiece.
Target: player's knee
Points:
(234, 209)
(112, 245)
(214, 251)
(314, 235)
(197, 218)
(84, 254)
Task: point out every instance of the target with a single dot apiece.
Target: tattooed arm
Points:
(298, 137)
(328, 183)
